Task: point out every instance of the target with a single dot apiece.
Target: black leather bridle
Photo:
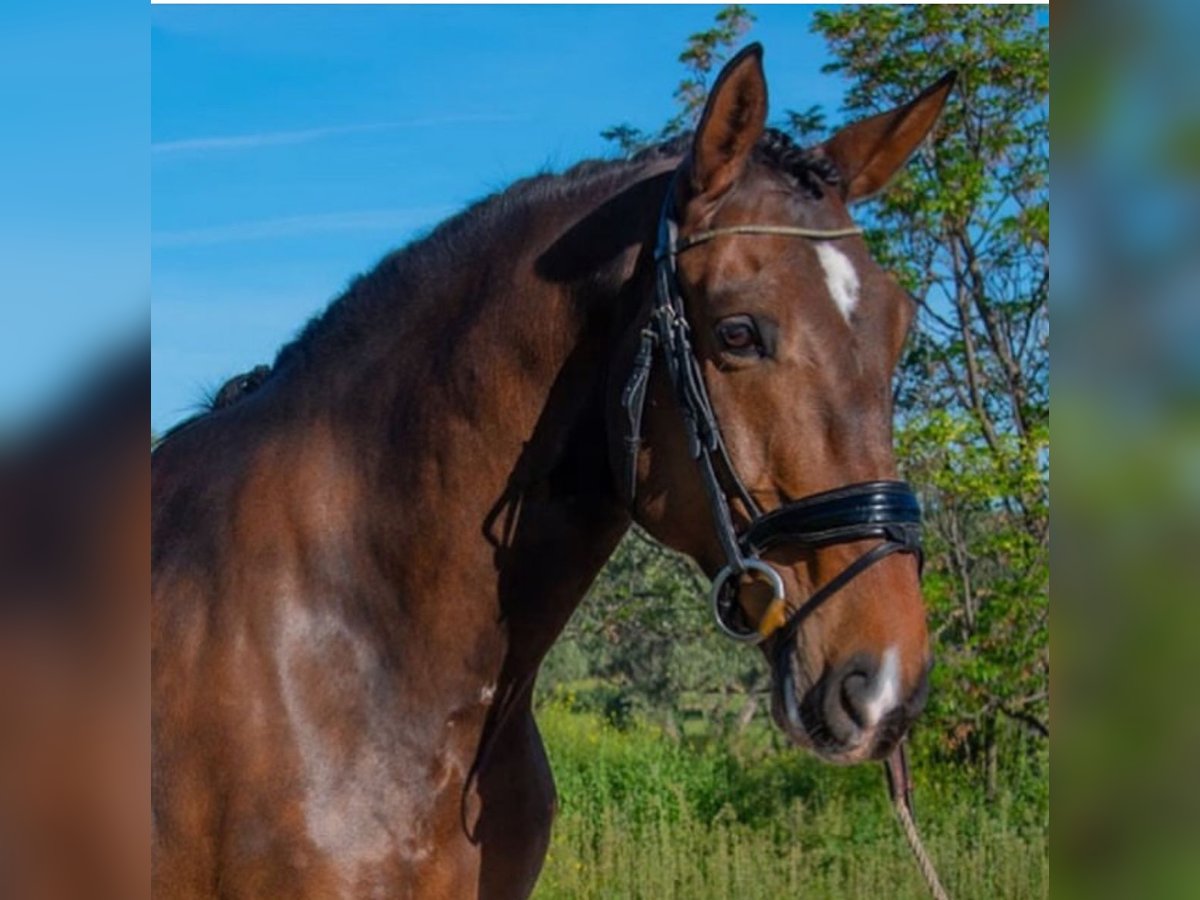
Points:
(883, 510)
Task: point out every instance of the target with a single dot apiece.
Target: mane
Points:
(809, 170)
(412, 268)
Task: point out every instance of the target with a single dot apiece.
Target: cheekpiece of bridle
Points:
(884, 510)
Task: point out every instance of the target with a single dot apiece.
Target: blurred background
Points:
(75, 192)
(74, 479)
(1127, 492)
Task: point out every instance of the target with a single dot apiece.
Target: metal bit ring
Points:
(749, 565)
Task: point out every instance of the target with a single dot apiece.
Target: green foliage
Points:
(701, 58)
(965, 230)
(642, 815)
(627, 138)
(644, 639)
(807, 127)
(965, 226)
(704, 53)
(986, 582)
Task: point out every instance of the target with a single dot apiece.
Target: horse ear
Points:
(868, 153)
(733, 121)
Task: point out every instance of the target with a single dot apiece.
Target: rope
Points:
(924, 863)
(899, 785)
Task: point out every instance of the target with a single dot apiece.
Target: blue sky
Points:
(293, 146)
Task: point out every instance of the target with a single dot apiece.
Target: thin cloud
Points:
(404, 219)
(277, 138)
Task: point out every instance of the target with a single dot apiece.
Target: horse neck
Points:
(482, 448)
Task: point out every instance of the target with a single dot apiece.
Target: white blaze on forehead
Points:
(886, 692)
(840, 277)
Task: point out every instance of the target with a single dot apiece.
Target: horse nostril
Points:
(845, 701)
(855, 697)
(870, 689)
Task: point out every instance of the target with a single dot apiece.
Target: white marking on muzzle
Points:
(840, 278)
(886, 692)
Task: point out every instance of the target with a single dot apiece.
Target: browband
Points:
(813, 234)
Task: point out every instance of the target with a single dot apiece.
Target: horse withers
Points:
(359, 564)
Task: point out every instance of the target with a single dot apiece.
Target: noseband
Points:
(883, 510)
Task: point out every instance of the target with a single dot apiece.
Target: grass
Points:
(642, 815)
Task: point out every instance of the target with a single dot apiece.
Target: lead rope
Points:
(900, 789)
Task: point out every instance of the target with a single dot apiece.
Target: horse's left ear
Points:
(868, 153)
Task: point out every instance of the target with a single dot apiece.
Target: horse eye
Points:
(738, 335)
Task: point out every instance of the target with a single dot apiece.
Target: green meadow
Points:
(643, 814)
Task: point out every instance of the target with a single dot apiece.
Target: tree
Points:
(704, 53)
(966, 229)
(644, 640)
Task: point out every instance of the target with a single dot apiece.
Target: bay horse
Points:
(361, 559)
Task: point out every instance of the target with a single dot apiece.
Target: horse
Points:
(359, 564)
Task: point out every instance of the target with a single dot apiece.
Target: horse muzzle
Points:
(855, 711)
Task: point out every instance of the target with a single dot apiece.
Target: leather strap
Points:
(813, 234)
(867, 509)
(861, 564)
